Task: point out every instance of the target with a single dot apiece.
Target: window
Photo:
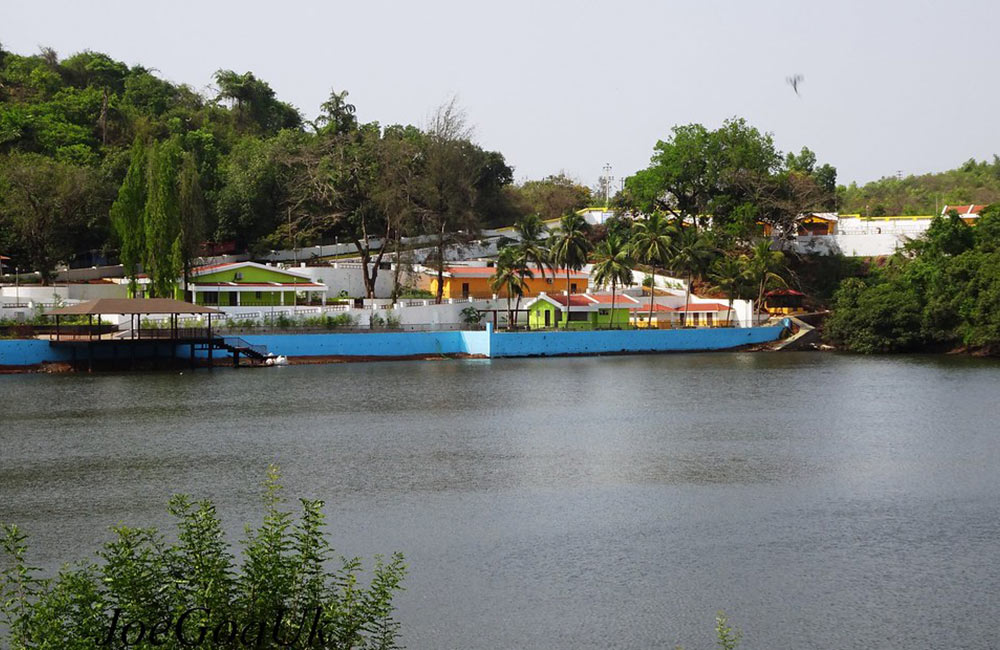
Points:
(258, 295)
(558, 316)
(548, 280)
(572, 287)
(579, 316)
(211, 297)
(709, 319)
(465, 289)
(237, 276)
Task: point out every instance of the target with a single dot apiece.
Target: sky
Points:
(889, 87)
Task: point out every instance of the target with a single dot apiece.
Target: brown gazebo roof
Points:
(132, 306)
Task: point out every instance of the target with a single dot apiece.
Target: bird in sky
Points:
(794, 82)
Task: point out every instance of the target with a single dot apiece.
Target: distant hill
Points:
(973, 182)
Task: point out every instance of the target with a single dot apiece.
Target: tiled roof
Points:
(266, 285)
(700, 307)
(963, 210)
(575, 300)
(488, 271)
(620, 299)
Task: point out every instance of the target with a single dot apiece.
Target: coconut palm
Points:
(530, 230)
(729, 275)
(509, 276)
(570, 247)
(652, 244)
(693, 252)
(763, 268)
(613, 265)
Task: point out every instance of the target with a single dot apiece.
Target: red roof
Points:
(488, 271)
(708, 306)
(644, 307)
(575, 300)
(272, 285)
(620, 299)
(785, 292)
(212, 267)
(964, 209)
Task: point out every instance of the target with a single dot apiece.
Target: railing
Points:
(160, 334)
(236, 343)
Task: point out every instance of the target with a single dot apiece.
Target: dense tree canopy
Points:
(242, 166)
(943, 291)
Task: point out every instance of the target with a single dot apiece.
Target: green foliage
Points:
(280, 591)
(926, 194)
(551, 197)
(471, 316)
(942, 292)
(726, 637)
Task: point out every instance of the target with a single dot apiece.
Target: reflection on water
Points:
(822, 500)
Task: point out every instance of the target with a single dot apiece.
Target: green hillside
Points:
(973, 182)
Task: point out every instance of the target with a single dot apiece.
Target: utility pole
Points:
(606, 181)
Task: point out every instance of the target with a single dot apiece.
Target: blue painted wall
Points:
(19, 352)
(530, 344)
(389, 344)
(29, 352)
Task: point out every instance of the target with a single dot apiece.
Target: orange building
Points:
(474, 282)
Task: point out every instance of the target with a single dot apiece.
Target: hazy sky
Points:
(889, 86)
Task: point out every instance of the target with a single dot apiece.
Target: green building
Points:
(587, 311)
(248, 284)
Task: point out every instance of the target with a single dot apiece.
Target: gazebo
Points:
(136, 309)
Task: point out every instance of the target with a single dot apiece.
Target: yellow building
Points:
(474, 282)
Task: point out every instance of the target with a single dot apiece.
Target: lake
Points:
(821, 500)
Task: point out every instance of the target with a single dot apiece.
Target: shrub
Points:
(191, 593)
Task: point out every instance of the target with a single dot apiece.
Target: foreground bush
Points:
(191, 593)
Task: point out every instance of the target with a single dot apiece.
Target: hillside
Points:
(973, 182)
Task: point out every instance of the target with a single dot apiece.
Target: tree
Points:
(254, 103)
(337, 116)
(763, 268)
(286, 589)
(697, 172)
(510, 274)
(729, 275)
(162, 219)
(551, 197)
(191, 213)
(613, 265)
(128, 214)
(530, 245)
(50, 208)
(570, 248)
(448, 193)
(692, 254)
(652, 244)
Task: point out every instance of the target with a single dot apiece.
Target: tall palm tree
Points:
(613, 265)
(652, 244)
(570, 248)
(509, 276)
(693, 253)
(729, 275)
(763, 268)
(532, 246)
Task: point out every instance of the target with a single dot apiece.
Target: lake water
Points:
(821, 500)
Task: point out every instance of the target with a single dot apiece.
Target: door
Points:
(548, 318)
(465, 289)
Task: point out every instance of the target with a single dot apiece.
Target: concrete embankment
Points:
(417, 345)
